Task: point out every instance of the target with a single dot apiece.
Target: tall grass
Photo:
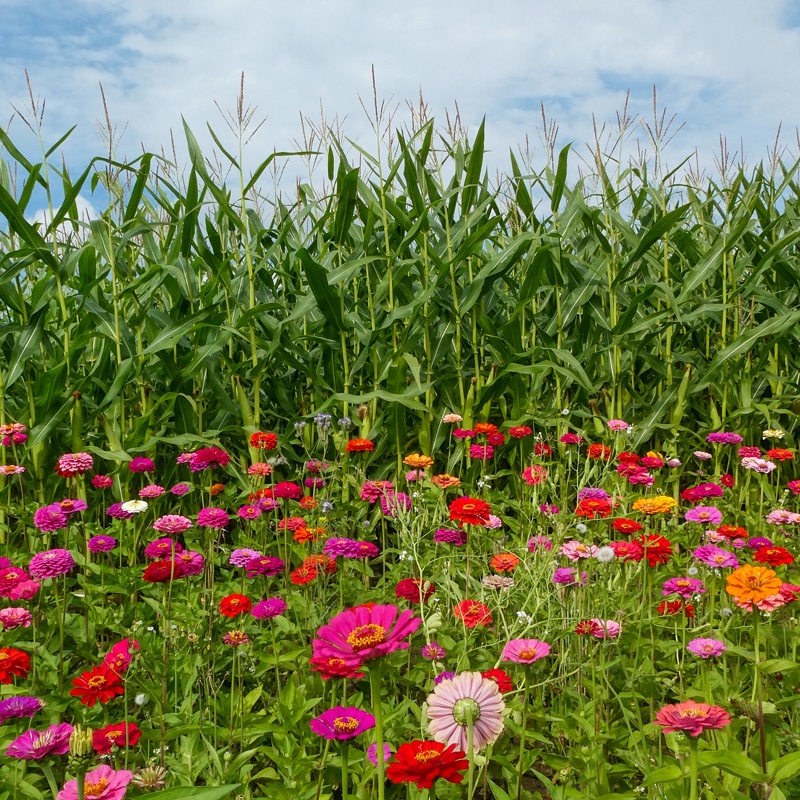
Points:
(402, 285)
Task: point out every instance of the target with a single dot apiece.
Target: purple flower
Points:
(264, 565)
(342, 723)
(569, 577)
(180, 488)
(13, 707)
(267, 503)
(372, 753)
(117, 512)
(212, 518)
(51, 563)
(33, 745)
(45, 519)
(685, 587)
(101, 544)
(141, 464)
(443, 676)
(548, 510)
(341, 547)
(705, 515)
(714, 556)
(706, 648)
(450, 536)
(434, 652)
(392, 503)
(269, 608)
(724, 438)
(240, 557)
(591, 493)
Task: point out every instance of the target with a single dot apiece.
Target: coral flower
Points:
(33, 745)
(469, 511)
(15, 618)
(13, 663)
(342, 723)
(752, 584)
(362, 634)
(598, 451)
(422, 763)
(468, 697)
(520, 431)
(418, 461)
(485, 427)
(445, 481)
(472, 613)
(692, 718)
(504, 562)
(706, 648)
(119, 735)
(534, 475)
(525, 651)
(266, 441)
(102, 783)
(593, 507)
(360, 446)
(779, 454)
(626, 525)
(234, 604)
(333, 667)
(99, 683)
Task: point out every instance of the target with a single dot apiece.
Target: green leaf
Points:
(664, 775)
(783, 769)
(25, 346)
(561, 179)
(196, 793)
(169, 336)
(327, 298)
(730, 761)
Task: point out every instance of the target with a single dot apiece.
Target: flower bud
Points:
(81, 750)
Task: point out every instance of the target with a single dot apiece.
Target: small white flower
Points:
(605, 554)
(564, 412)
(523, 617)
(726, 612)
(134, 506)
(581, 528)
(692, 571)
(140, 699)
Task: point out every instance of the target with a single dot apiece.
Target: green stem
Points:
(345, 749)
(693, 768)
(470, 756)
(522, 738)
(375, 686)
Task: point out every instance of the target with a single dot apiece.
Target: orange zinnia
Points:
(504, 562)
(485, 427)
(445, 481)
(417, 461)
(753, 584)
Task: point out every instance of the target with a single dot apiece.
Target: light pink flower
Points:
(617, 425)
(15, 618)
(605, 628)
(172, 523)
(525, 651)
(575, 550)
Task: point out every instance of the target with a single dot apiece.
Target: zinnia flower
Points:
(392, 504)
(657, 549)
(706, 648)
(534, 475)
(266, 441)
(51, 563)
(539, 543)
(605, 628)
(99, 683)
(342, 723)
(102, 783)
(575, 550)
(360, 446)
(714, 556)
(374, 490)
(172, 523)
(208, 458)
(692, 718)
(119, 735)
(525, 651)
(422, 763)
(33, 745)
(774, 556)
(434, 652)
(116, 511)
(141, 464)
(504, 562)
(46, 519)
(333, 667)
(72, 464)
(269, 608)
(101, 544)
(751, 584)
(212, 518)
(134, 506)
(706, 515)
(234, 604)
(470, 511)
(15, 618)
(618, 425)
(418, 461)
(685, 587)
(467, 698)
(450, 536)
(414, 590)
(569, 577)
(15, 707)
(13, 664)
(472, 613)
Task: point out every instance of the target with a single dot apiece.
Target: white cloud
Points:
(724, 66)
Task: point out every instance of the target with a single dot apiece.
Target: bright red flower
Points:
(118, 735)
(411, 590)
(266, 441)
(13, 663)
(657, 549)
(675, 607)
(160, 571)
(484, 427)
(779, 454)
(472, 613)
(98, 683)
(727, 480)
(628, 458)
(733, 532)
(265, 492)
(624, 525)
(469, 510)
(542, 449)
(591, 508)
(773, 556)
(303, 575)
(234, 604)
(519, 431)
(332, 667)
(627, 551)
(598, 451)
(502, 679)
(587, 626)
(423, 762)
(308, 502)
(360, 446)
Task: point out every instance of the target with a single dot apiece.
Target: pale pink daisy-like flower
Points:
(706, 648)
(575, 550)
(185, 458)
(172, 523)
(673, 462)
(618, 425)
(153, 490)
(452, 419)
(525, 651)
(493, 522)
(761, 465)
(102, 783)
(11, 469)
(260, 468)
(782, 516)
(702, 455)
(468, 697)
(605, 628)
(240, 557)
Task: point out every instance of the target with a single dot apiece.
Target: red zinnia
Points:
(469, 510)
(591, 508)
(502, 679)
(627, 551)
(160, 571)
(773, 556)
(598, 451)
(13, 663)
(496, 439)
(484, 427)
(321, 563)
(234, 604)
(303, 575)
(360, 446)
(411, 590)
(119, 735)
(266, 441)
(624, 525)
(628, 458)
(423, 762)
(675, 607)
(588, 626)
(98, 683)
(733, 532)
(657, 549)
(542, 449)
(779, 454)
(519, 431)
(332, 667)
(472, 613)
(727, 480)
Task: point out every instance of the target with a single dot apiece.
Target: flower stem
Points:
(522, 738)
(470, 756)
(375, 686)
(693, 768)
(345, 753)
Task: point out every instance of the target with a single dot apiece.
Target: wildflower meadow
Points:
(412, 485)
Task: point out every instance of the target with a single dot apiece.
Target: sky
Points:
(722, 67)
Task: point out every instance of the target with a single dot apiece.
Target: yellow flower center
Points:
(693, 712)
(345, 724)
(97, 682)
(96, 788)
(527, 654)
(365, 636)
(424, 756)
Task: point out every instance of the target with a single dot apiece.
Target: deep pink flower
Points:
(153, 490)
(450, 536)
(749, 452)
(685, 587)
(11, 577)
(68, 506)
(362, 634)
(33, 745)
(342, 723)
(391, 504)
(180, 489)
(23, 590)
(692, 718)
(264, 565)
(163, 548)
(141, 464)
(249, 512)
(269, 608)
(74, 464)
(51, 563)
(706, 648)
(212, 518)
(724, 437)
(115, 510)
(102, 481)
(46, 519)
(101, 544)
(525, 651)
(288, 490)
(539, 543)
(571, 438)
(618, 425)
(374, 490)
(172, 523)
(118, 658)
(569, 577)
(575, 551)
(481, 452)
(208, 458)
(102, 783)
(714, 556)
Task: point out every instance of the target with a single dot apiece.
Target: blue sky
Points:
(727, 67)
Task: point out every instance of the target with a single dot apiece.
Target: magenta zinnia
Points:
(692, 718)
(466, 697)
(33, 745)
(342, 723)
(362, 634)
(706, 648)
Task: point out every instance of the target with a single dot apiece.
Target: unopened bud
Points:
(81, 749)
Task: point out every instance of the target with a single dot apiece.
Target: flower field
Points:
(603, 623)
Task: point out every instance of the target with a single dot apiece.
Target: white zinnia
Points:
(134, 506)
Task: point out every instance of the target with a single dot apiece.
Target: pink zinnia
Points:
(569, 577)
(571, 438)
(46, 519)
(141, 464)
(761, 465)
(292, 523)
(208, 458)
(15, 618)
(180, 489)
(702, 455)
(467, 696)
(482, 452)
(539, 542)
(24, 590)
(11, 577)
(342, 723)
(102, 783)
(374, 490)
(191, 563)
(525, 651)
(162, 548)
(260, 468)
(153, 490)
(101, 544)
(264, 565)
(240, 557)
(685, 587)
(706, 515)
(269, 608)
(102, 481)
(749, 452)
(534, 475)
(362, 634)
(391, 504)
(249, 512)
(172, 523)
(575, 550)
(794, 486)
(212, 518)
(605, 628)
(618, 425)
(51, 563)
(450, 536)
(692, 718)
(33, 745)
(118, 658)
(74, 464)
(714, 556)
(287, 489)
(706, 648)
(68, 506)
